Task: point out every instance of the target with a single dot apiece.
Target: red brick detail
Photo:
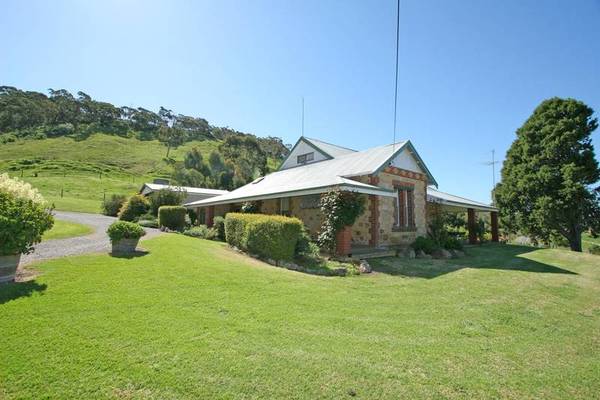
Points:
(343, 241)
(494, 218)
(471, 226)
(404, 173)
(210, 216)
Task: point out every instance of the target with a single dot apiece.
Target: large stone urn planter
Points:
(8, 267)
(125, 246)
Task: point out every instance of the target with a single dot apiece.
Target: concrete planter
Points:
(125, 246)
(8, 267)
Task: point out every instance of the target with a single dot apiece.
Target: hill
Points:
(86, 170)
(78, 150)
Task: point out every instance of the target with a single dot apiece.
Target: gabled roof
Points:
(319, 176)
(188, 189)
(328, 148)
(435, 196)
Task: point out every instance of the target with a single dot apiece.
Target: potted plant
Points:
(24, 217)
(124, 236)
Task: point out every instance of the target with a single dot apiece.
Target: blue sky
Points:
(470, 72)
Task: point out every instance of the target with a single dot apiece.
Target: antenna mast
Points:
(396, 82)
(302, 115)
(493, 165)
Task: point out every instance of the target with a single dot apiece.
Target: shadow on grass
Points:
(16, 290)
(490, 256)
(135, 254)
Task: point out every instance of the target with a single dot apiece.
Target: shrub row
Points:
(268, 236)
(429, 246)
(202, 232)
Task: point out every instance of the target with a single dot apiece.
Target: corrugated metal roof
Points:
(331, 149)
(321, 174)
(434, 195)
(188, 189)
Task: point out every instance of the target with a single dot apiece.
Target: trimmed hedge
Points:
(172, 217)
(268, 236)
(124, 230)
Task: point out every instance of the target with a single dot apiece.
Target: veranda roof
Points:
(435, 196)
(152, 187)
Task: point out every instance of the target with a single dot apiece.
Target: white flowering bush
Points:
(20, 189)
(24, 216)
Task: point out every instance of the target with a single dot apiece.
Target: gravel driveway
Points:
(96, 242)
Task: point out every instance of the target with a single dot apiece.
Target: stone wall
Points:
(310, 216)
(387, 234)
(270, 206)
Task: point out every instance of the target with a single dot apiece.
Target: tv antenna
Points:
(493, 165)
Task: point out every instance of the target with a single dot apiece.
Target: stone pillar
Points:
(343, 241)
(374, 214)
(494, 218)
(209, 216)
(471, 226)
(374, 220)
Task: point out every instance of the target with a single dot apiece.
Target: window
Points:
(284, 206)
(304, 158)
(405, 208)
(311, 201)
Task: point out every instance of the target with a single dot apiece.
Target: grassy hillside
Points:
(85, 170)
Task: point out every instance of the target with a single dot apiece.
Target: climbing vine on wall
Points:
(339, 209)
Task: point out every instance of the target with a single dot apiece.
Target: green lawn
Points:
(66, 229)
(192, 319)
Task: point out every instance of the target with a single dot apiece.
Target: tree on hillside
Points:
(170, 137)
(546, 189)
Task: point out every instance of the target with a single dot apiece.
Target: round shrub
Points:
(219, 225)
(165, 197)
(134, 207)
(594, 249)
(24, 216)
(452, 243)
(427, 245)
(172, 217)
(124, 230)
(113, 204)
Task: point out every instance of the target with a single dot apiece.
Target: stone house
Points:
(395, 181)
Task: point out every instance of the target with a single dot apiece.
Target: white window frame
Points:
(305, 158)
